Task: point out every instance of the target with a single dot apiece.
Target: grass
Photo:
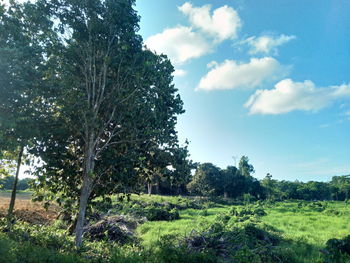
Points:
(314, 227)
(309, 230)
(304, 228)
(190, 219)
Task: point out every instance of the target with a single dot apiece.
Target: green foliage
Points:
(15, 252)
(245, 167)
(206, 180)
(337, 189)
(337, 250)
(241, 242)
(152, 211)
(210, 180)
(247, 210)
(7, 183)
(43, 236)
(261, 232)
(107, 103)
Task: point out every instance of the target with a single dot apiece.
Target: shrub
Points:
(240, 214)
(337, 250)
(237, 236)
(26, 252)
(43, 236)
(152, 211)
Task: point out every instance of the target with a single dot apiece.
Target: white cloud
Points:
(341, 91)
(266, 44)
(232, 75)
(180, 44)
(288, 96)
(223, 24)
(179, 73)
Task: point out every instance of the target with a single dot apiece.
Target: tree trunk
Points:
(225, 194)
(14, 188)
(157, 188)
(85, 193)
(149, 188)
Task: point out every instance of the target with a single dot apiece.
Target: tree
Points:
(232, 182)
(153, 168)
(108, 96)
(271, 187)
(21, 73)
(245, 168)
(341, 187)
(181, 168)
(206, 180)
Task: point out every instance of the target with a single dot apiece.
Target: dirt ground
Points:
(26, 210)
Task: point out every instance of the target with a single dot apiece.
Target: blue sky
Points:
(267, 79)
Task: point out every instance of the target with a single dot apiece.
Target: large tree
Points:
(22, 44)
(109, 97)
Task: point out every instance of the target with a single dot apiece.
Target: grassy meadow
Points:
(303, 228)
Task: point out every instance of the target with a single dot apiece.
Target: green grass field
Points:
(306, 230)
(305, 227)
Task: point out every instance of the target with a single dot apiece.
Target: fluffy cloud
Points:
(222, 24)
(288, 96)
(266, 44)
(231, 75)
(180, 44)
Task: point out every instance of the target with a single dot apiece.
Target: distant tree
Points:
(24, 184)
(287, 190)
(233, 182)
(340, 187)
(245, 167)
(206, 180)
(271, 187)
(6, 183)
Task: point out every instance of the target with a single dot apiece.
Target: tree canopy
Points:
(104, 101)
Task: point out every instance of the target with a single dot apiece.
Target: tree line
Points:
(210, 180)
(6, 183)
(238, 182)
(232, 182)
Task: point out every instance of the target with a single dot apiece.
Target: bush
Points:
(337, 250)
(237, 236)
(152, 211)
(43, 236)
(240, 214)
(156, 213)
